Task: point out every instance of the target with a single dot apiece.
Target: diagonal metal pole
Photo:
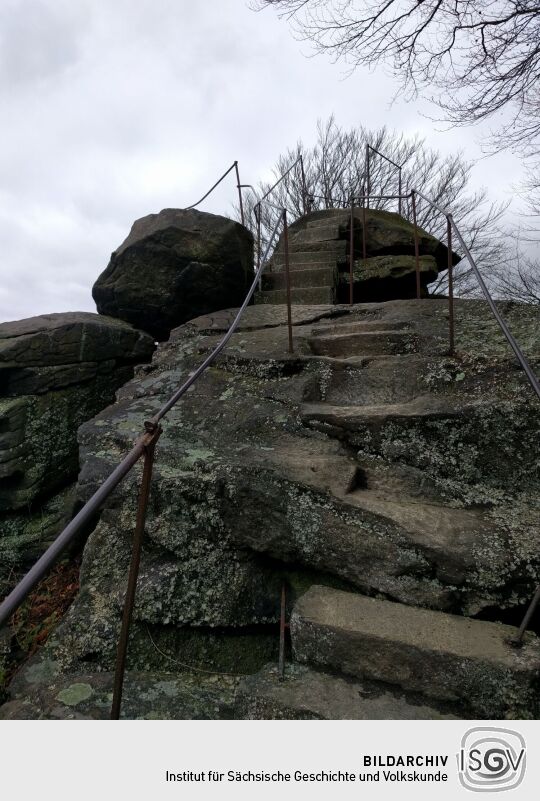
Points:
(351, 255)
(416, 244)
(368, 176)
(527, 619)
(282, 627)
(144, 493)
(450, 285)
(305, 206)
(287, 278)
(239, 187)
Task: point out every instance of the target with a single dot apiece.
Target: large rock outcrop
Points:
(368, 461)
(174, 266)
(319, 259)
(56, 372)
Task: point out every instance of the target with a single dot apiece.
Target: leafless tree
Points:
(475, 57)
(517, 277)
(334, 172)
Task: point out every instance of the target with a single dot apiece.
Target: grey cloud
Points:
(117, 109)
(38, 40)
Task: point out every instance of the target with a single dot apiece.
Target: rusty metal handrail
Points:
(300, 161)
(234, 166)
(16, 597)
(144, 445)
(367, 182)
(533, 380)
(362, 197)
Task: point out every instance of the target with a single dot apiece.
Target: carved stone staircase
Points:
(361, 657)
(314, 257)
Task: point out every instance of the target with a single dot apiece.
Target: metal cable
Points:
(92, 506)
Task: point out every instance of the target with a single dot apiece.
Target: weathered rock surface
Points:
(307, 694)
(319, 259)
(442, 656)
(157, 696)
(56, 372)
(367, 461)
(174, 266)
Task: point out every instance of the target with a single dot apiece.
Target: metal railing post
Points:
(93, 506)
(217, 183)
(416, 244)
(364, 237)
(304, 190)
(368, 176)
(258, 218)
(287, 278)
(527, 619)
(351, 254)
(239, 187)
(144, 493)
(450, 284)
(282, 626)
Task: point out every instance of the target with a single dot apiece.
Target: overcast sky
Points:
(112, 109)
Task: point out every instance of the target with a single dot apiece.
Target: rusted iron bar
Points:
(217, 183)
(364, 196)
(223, 342)
(431, 203)
(364, 236)
(68, 535)
(138, 535)
(533, 380)
(92, 507)
(368, 176)
(525, 366)
(280, 179)
(450, 285)
(371, 149)
(287, 278)
(351, 255)
(282, 626)
(527, 619)
(383, 156)
(259, 240)
(416, 244)
(239, 187)
(305, 205)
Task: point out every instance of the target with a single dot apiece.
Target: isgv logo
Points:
(491, 759)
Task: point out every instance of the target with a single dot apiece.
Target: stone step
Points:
(317, 295)
(446, 536)
(447, 657)
(380, 528)
(146, 696)
(321, 233)
(360, 326)
(371, 380)
(355, 418)
(296, 266)
(316, 276)
(337, 247)
(309, 258)
(363, 343)
(339, 218)
(307, 694)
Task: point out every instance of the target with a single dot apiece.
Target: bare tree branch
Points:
(479, 56)
(334, 170)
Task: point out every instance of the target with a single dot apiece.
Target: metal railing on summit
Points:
(234, 166)
(144, 448)
(452, 228)
(145, 445)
